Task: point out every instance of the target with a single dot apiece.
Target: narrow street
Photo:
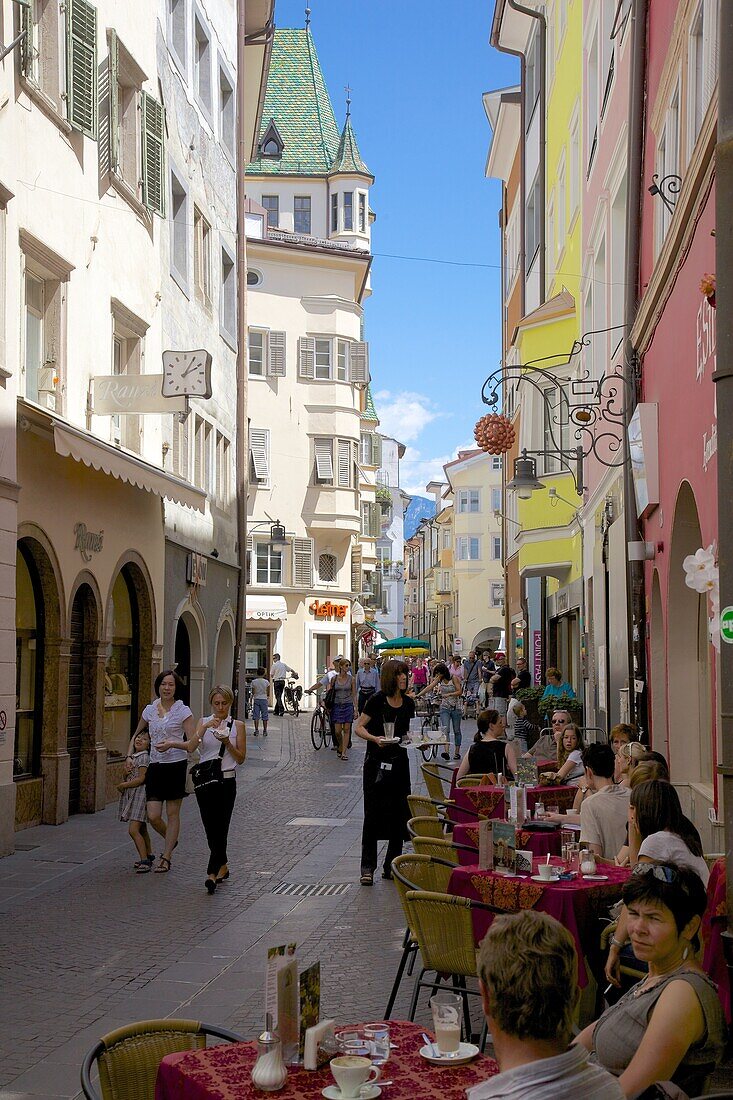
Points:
(89, 946)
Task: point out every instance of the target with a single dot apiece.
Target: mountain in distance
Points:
(419, 508)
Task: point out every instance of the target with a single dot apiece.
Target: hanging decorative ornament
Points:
(494, 433)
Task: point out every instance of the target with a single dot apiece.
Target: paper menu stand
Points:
(518, 805)
(504, 839)
(310, 1001)
(485, 845)
(277, 957)
(288, 1010)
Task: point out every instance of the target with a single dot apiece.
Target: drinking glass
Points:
(446, 1008)
(378, 1036)
(389, 730)
(553, 809)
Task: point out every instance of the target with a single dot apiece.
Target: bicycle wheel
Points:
(318, 736)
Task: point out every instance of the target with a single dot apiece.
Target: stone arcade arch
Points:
(224, 654)
(82, 711)
(688, 653)
(130, 666)
(189, 633)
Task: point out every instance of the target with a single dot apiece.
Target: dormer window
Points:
(272, 144)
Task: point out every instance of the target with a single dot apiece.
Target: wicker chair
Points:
(422, 806)
(438, 847)
(426, 826)
(433, 781)
(476, 780)
(443, 926)
(128, 1058)
(411, 872)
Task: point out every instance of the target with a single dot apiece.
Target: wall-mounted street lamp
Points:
(525, 480)
(278, 536)
(668, 188)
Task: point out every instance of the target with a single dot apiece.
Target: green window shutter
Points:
(81, 66)
(153, 154)
(114, 103)
(376, 450)
(375, 524)
(26, 46)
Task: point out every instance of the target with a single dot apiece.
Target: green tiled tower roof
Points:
(370, 412)
(348, 158)
(297, 100)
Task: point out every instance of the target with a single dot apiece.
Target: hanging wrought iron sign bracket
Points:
(668, 188)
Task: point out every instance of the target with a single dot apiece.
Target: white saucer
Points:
(595, 878)
(366, 1092)
(465, 1052)
(389, 741)
(538, 878)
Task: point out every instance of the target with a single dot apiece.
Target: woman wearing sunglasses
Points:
(669, 1026)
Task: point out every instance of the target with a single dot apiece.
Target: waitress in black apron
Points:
(386, 770)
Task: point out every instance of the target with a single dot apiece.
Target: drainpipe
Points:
(723, 378)
(635, 618)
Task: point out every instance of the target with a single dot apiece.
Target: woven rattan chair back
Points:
(444, 931)
(433, 782)
(425, 826)
(441, 848)
(420, 806)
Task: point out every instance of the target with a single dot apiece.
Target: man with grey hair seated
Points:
(528, 975)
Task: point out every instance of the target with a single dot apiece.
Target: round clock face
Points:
(186, 373)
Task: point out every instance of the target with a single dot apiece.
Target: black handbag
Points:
(209, 771)
(329, 697)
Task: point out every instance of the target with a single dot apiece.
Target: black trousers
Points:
(369, 843)
(216, 803)
(279, 686)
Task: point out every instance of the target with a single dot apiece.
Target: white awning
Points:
(261, 608)
(71, 443)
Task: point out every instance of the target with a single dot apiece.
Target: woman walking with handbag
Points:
(169, 721)
(222, 744)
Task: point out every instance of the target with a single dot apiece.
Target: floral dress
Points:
(132, 801)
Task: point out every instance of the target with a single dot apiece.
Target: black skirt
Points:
(166, 782)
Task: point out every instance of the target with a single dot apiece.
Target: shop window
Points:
(28, 668)
(121, 672)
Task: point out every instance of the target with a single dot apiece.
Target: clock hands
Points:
(191, 366)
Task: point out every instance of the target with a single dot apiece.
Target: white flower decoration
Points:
(714, 630)
(701, 572)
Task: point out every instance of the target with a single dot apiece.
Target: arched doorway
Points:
(30, 635)
(189, 656)
(224, 655)
(182, 659)
(122, 674)
(81, 714)
(658, 670)
(688, 653)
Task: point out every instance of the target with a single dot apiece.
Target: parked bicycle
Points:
(292, 694)
(320, 726)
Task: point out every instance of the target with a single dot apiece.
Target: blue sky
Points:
(417, 69)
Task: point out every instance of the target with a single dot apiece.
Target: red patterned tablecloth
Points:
(489, 801)
(541, 842)
(576, 903)
(223, 1073)
(713, 925)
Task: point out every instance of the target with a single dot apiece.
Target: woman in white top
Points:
(169, 722)
(570, 768)
(213, 734)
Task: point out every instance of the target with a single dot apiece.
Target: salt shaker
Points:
(269, 1072)
(587, 863)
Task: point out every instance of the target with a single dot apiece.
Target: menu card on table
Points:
(485, 845)
(310, 1001)
(517, 805)
(504, 846)
(527, 773)
(277, 958)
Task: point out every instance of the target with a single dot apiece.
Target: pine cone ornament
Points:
(494, 434)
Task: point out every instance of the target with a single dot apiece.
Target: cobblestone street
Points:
(89, 946)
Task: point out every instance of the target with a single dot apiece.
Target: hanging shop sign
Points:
(196, 568)
(324, 609)
(87, 542)
(132, 395)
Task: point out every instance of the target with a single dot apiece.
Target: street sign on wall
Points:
(132, 395)
(726, 625)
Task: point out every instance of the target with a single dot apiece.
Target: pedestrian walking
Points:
(456, 667)
(471, 673)
(169, 722)
(222, 744)
(501, 683)
(419, 674)
(367, 683)
(343, 706)
(132, 802)
(260, 710)
(278, 673)
(386, 778)
(448, 687)
(486, 671)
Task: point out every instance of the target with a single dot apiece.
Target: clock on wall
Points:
(186, 374)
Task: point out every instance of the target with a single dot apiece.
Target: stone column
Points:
(55, 761)
(8, 536)
(93, 795)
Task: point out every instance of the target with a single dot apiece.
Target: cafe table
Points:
(224, 1073)
(540, 842)
(576, 903)
(489, 801)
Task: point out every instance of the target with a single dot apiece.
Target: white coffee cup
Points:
(546, 871)
(351, 1073)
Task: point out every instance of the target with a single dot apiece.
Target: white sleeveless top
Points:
(210, 745)
(167, 727)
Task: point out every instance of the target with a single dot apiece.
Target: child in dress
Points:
(132, 802)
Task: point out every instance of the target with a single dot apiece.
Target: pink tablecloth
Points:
(489, 801)
(540, 843)
(223, 1073)
(576, 903)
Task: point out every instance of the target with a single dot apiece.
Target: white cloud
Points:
(416, 470)
(403, 415)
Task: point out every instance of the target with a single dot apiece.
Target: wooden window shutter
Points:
(303, 563)
(355, 463)
(376, 450)
(323, 449)
(250, 543)
(344, 463)
(27, 46)
(259, 448)
(81, 66)
(306, 357)
(276, 355)
(356, 571)
(114, 103)
(153, 154)
(360, 361)
(375, 525)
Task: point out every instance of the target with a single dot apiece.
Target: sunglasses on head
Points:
(661, 871)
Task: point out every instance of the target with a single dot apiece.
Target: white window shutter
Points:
(376, 450)
(709, 52)
(276, 355)
(306, 357)
(360, 361)
(323, 449)
(303, 563)
(344, 463)
(250, 543)
(259, 448)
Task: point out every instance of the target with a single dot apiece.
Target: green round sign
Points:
(726, 625)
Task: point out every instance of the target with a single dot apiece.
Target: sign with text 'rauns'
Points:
(132, 395)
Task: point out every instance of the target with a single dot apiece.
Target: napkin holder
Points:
(319, 1045)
